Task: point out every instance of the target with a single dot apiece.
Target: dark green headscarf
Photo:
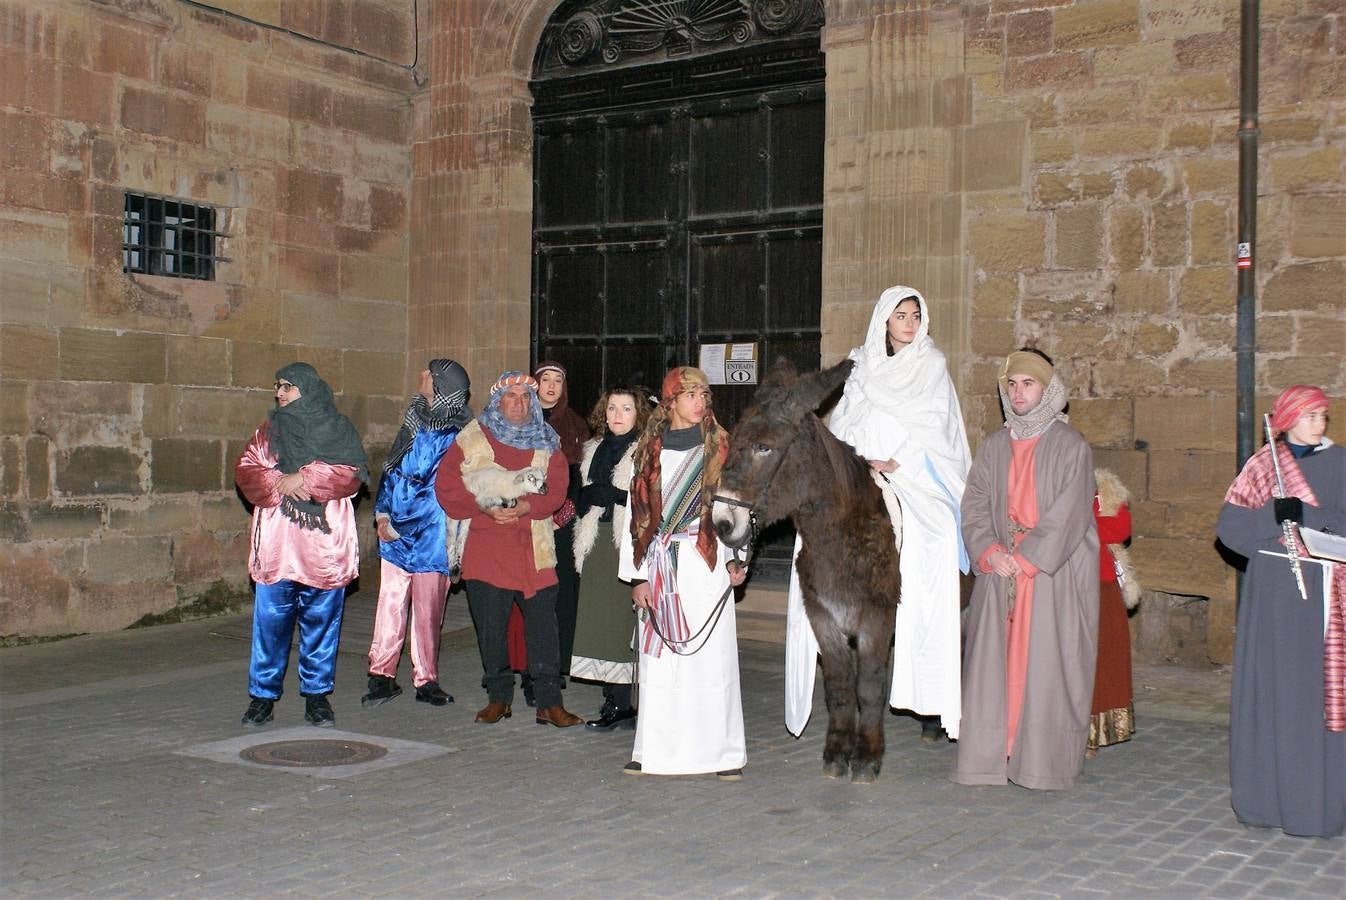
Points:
(311, 429)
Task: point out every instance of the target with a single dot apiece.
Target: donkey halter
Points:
(740, 555)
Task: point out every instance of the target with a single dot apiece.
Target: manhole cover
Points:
(306, 754)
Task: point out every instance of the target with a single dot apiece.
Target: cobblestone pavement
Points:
(101, 797)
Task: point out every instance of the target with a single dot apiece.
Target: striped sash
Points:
(681, 522)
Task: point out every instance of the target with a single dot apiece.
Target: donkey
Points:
(783, 463)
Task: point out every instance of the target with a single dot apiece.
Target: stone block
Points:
(48, 522)
(380, 117)
(387, 208)
(1212, 233)
(1146, 181)
(995, 298)
(35, 237)
(223, 413)
(991, 337)
(1097, 185)
(1098, 106)
(1141, 293)
(1079, 237)
(1155, 340)
(91, 470)
(1318, 225)
(13, 407)
(1005, 242)
(225, 514)
(1296, 129)
(1109, 141)
(1126, 237)
(121, 559)
(1189, 136)
(311, 195)
(1134, 376)
(161, 516)
(1212, 372)
(13, 530)
(1274, 334)
(196, 557)
(1169, 234)
(1053, 147)
(308, 271)
(185, 465)
(1104, 423)
(1128, 465)
(1189, 475)
(89, 354)
(1193, 91)
(163, 114)
(97, 605)
(1181, 566)
(1056, 71)
(1278, 374)
(375, 373)
(1153, 57)
(186, 69)
(255, 364)
(372, 278)
(247, 133)
(197, 361)
(993, 155)
(1205, 175)
(28, 353)
(1209, 291)
(1308, 286)
(11, 466)
(1186, 423)
(1295, 172)
(1314, 335)
(1208, 50)
(1102, 23)
(1053, 189)
(123, 51)
(322, 322)
(34, 595)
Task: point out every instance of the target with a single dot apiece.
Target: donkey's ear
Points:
(781, 374)
(810, 391)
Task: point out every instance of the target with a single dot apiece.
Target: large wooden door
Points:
(677, 196)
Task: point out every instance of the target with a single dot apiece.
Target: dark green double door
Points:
(675, 222)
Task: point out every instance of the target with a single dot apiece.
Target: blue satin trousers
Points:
(275, 609)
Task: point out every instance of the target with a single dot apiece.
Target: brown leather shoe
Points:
(493, 712)
(558, 716)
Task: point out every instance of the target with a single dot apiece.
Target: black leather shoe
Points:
(432, 693)
(609, 719)
(259, 712)
(317, 711)
(381, 690)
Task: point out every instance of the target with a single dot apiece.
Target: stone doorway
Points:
(678, 187)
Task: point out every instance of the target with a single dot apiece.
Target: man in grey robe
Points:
(1032, 627)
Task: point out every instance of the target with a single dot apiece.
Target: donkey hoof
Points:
(865, 773)
(835, 768)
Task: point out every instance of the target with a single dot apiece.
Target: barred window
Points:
(174, 238)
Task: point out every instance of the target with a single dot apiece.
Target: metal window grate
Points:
(173, 238)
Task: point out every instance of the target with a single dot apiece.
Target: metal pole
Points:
(1246, 334)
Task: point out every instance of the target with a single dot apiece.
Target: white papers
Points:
(729, 363)
(1323, 545)
(712, 362)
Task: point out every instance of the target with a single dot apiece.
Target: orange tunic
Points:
(1023, 510)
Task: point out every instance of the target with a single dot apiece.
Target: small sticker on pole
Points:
(1245, 255)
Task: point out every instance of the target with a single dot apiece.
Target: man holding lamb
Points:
(510, 556)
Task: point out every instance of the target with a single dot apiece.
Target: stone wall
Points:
(125, 399)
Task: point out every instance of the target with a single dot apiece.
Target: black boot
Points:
(931, 731)
(610, 717)
(381, 690)
(432, 693)
(259, 712)
(317, 711)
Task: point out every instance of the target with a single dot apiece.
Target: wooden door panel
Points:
(636, 300)
(794, 265)
(796, 153)
(571, 290)
(727, 163)
(642, 180)
(728, 281)
(570, 164)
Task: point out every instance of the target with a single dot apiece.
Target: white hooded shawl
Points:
(903, 408)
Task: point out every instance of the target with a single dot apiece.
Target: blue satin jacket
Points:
(407, 497)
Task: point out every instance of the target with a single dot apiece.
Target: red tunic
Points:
(502, 555)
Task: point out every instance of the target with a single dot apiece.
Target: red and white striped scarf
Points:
(681, 522)
(1253, 488)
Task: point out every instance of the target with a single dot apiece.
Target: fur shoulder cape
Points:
(478, 454)
(586, 529)
(1111, 495)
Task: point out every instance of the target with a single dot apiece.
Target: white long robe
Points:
(903, 408)
(691, 711)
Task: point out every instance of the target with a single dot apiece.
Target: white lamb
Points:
(494, 486)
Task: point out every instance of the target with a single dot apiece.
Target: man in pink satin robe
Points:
(300, 471)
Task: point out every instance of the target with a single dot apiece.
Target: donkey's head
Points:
(771, 450)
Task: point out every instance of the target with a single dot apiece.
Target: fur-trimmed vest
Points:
(586, 529)
(1111, 495)
(477, 454)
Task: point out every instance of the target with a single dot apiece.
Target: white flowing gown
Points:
(691, 711)
(903, 408)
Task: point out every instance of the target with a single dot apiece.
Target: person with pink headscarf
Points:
(1287, 723)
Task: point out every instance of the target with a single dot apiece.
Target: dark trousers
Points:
(568, 593)
(490, 606)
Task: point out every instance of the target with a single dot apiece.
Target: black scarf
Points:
(449, 409)
(310, 429)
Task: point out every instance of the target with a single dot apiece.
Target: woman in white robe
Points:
(899, 411)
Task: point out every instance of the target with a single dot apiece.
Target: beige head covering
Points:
(1054, 396)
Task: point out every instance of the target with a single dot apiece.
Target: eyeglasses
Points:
(283, 386)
